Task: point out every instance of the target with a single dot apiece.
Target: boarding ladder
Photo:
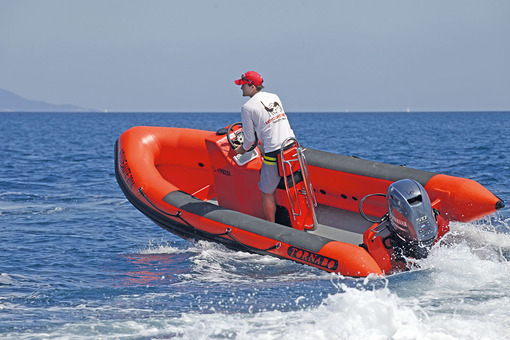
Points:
(300, 193)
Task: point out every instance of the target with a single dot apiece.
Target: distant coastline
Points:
(11, 102)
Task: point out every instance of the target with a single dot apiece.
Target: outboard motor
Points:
(412, 220)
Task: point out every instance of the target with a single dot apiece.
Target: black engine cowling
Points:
(412, 220)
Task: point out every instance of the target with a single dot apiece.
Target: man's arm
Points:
(248, 130)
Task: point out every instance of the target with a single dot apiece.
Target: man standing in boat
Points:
(264, 116)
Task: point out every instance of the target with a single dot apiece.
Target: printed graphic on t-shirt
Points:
(275, 111)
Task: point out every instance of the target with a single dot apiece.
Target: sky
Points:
(318, 56)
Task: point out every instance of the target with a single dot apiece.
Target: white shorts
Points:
(269, 178)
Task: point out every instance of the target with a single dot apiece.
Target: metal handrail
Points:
(311, 200)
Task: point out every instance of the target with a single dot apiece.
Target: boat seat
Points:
(298, 176)
(296, 197)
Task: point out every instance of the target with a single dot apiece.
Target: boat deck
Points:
(341, 225)
(336, 224)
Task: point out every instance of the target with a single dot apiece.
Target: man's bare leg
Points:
(269, 206)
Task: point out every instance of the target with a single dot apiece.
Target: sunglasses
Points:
(245, 79)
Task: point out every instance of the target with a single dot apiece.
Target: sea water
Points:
(78, 261)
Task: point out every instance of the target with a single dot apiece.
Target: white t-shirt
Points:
(263, 113)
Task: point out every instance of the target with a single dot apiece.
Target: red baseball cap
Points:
(250, 77)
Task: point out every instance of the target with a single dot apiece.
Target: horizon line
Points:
(234, 112)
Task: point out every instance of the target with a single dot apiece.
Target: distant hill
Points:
(11, 102)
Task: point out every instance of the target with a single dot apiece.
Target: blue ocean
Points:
(78, 261)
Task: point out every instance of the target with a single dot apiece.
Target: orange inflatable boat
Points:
(337, 213)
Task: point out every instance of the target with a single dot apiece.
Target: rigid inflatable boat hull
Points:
(187, 183)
